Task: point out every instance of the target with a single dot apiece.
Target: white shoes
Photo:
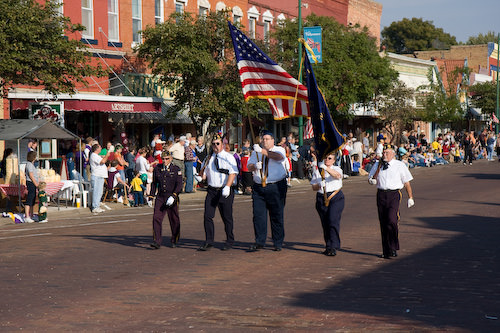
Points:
(98, 210)
(105, 206)
(28, 220)
(43, 221)
(119, 200)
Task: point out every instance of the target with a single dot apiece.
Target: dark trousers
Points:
(330, 218)
(270, 198)
(213, 200)
(388, 215)
(173, 216)
(468, 155)
(138, 198)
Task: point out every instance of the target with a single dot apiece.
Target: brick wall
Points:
(477, 55)
(366, 13)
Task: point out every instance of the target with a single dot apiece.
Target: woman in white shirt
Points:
(331, 205)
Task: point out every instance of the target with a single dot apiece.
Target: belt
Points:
(381, 190)
(267, 183)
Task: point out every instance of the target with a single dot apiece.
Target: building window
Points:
(136, 21)
(267, 29)
(88, 19)
(251, 27)
(236, 19)
(179, 7)
(203, 11)
(158, 11)
(113, 27)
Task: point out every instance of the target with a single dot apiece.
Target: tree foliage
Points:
(397, 110)
(192, 55)
(352, 70)
(484, 96)
(33, 50)
(488, 37)
(442, 104)
(410, 35)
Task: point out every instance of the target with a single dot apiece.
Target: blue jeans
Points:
(97, 190)
(138, 198)
(188, 165)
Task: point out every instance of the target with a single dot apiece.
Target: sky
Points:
(459, 18)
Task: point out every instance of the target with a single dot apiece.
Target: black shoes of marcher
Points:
(255, 247)
(173, 245)
(227, 247)
(205, 247)
(394, 254)
(277, 249)
(155, 245)
(330, 252)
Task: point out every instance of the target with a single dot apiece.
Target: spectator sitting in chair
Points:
(115, 181)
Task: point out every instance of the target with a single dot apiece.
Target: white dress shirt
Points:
(332, 183)
(394, 177)
(226, 161)
(276, 169)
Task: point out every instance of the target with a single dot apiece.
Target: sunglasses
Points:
(216, 143)
(330, 158)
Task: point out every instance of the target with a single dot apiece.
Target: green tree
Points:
(408, 36)
(190, 54)
(490, 36)
(442, 104)
(484, 96)
(352, 71)
(34, 52)
(396, 110)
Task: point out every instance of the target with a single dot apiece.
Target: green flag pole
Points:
(498, 64)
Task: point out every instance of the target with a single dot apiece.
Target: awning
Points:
(16, 129)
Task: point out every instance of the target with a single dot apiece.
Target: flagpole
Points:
(301, 119)
(498, 64)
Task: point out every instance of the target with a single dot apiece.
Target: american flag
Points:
(495, 119)
(308, 130)
(262, 78)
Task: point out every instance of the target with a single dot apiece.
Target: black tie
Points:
(385, 165)
(216, 163)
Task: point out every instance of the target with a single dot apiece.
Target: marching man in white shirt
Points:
(329, 201)
(220, 172)
(268, 164)
(390, 176)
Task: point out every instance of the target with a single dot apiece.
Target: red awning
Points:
(96, 106)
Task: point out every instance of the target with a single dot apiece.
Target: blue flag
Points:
(327, 138)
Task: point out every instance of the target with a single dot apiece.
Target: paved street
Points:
(81, 272)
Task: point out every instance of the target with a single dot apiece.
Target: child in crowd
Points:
(42, 203)
(137, 188)
(246, 176)
(355, 165)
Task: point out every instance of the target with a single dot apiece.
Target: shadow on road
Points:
(486, 176)
(454, 284)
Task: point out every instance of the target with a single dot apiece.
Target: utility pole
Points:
(301, 119)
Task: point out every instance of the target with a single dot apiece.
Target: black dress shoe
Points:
(173, 245)
(394, 254)
(227, 247)
(205, 247)
(331, 253)
(255, 247)
(385, 256)
(277, 249)
(155, 245)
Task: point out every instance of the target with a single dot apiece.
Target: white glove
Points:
(198, 178)
(372, 181)
(257, 148)
(322, 165)
(323, 184)
(258, 165)
(226, 191)
(170, 201)
(411, 203)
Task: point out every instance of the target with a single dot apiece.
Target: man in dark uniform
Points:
(268, 164)
(390, 176)
(166, 185)
(220, 172)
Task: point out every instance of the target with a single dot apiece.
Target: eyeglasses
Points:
(216, 143)
(330, 158)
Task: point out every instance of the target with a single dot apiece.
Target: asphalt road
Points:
(81, 272)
